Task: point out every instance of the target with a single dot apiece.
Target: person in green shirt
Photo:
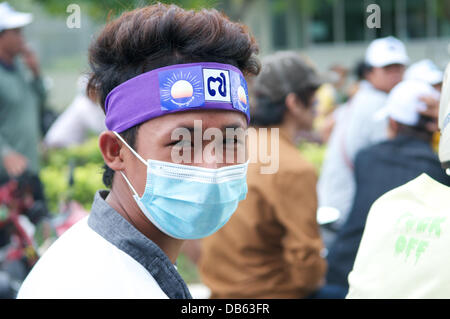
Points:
(22, 96)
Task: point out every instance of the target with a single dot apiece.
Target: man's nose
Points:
(210, 159)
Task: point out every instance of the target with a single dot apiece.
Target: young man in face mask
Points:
(166, 78)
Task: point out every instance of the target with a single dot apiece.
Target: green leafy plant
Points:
(87, 174)
(314, 153)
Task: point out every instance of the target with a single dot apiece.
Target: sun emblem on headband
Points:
(240, 95)
(181, 88)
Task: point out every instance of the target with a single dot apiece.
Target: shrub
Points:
(87, 163)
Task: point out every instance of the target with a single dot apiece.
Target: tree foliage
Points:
(102, 10)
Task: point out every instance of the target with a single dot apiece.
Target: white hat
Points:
(444, 119)
(424, 70)
(403, 104)
(385, 51)
(11, 19)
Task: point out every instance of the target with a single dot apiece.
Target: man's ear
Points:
(110, 147)
(293, 103)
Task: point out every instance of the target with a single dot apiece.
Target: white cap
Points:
(444, 118)
(403, 104)
(384, 51)
(424, 70)
(11, 19)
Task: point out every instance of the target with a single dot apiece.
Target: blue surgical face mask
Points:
(189, 202)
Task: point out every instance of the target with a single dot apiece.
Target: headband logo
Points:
(181, 88)
(193, 86)
(217, 85)
(240, 93)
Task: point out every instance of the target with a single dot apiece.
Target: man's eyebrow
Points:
(189, 128)
(233, 126)
(223, 128)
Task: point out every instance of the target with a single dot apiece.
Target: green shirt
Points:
(21, 99)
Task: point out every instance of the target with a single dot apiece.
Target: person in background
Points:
(425, 70)
(22, 95)
(72, 127)
(404, 252)
(384, 166)
(22, 101)
(328, 124)
(385, 61)
(271, 247)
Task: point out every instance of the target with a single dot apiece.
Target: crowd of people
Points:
(251, 235)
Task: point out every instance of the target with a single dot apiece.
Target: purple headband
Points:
(176, 88)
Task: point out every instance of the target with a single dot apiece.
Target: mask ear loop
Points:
(137, 155)
(129, 184)
(132, 150)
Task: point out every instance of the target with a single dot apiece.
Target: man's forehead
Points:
(192, 120)
(393, 65)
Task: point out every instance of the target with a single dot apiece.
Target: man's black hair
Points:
(160, 35)
(419, 131)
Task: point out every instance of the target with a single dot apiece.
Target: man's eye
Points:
(182, 143)
(232, 142)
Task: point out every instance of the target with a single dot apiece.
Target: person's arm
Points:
(13, 162)
(296, 210)
(31, 61)
(432, 111)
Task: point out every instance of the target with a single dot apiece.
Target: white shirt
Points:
(82, 264)
(355, 129)
(73, 125)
